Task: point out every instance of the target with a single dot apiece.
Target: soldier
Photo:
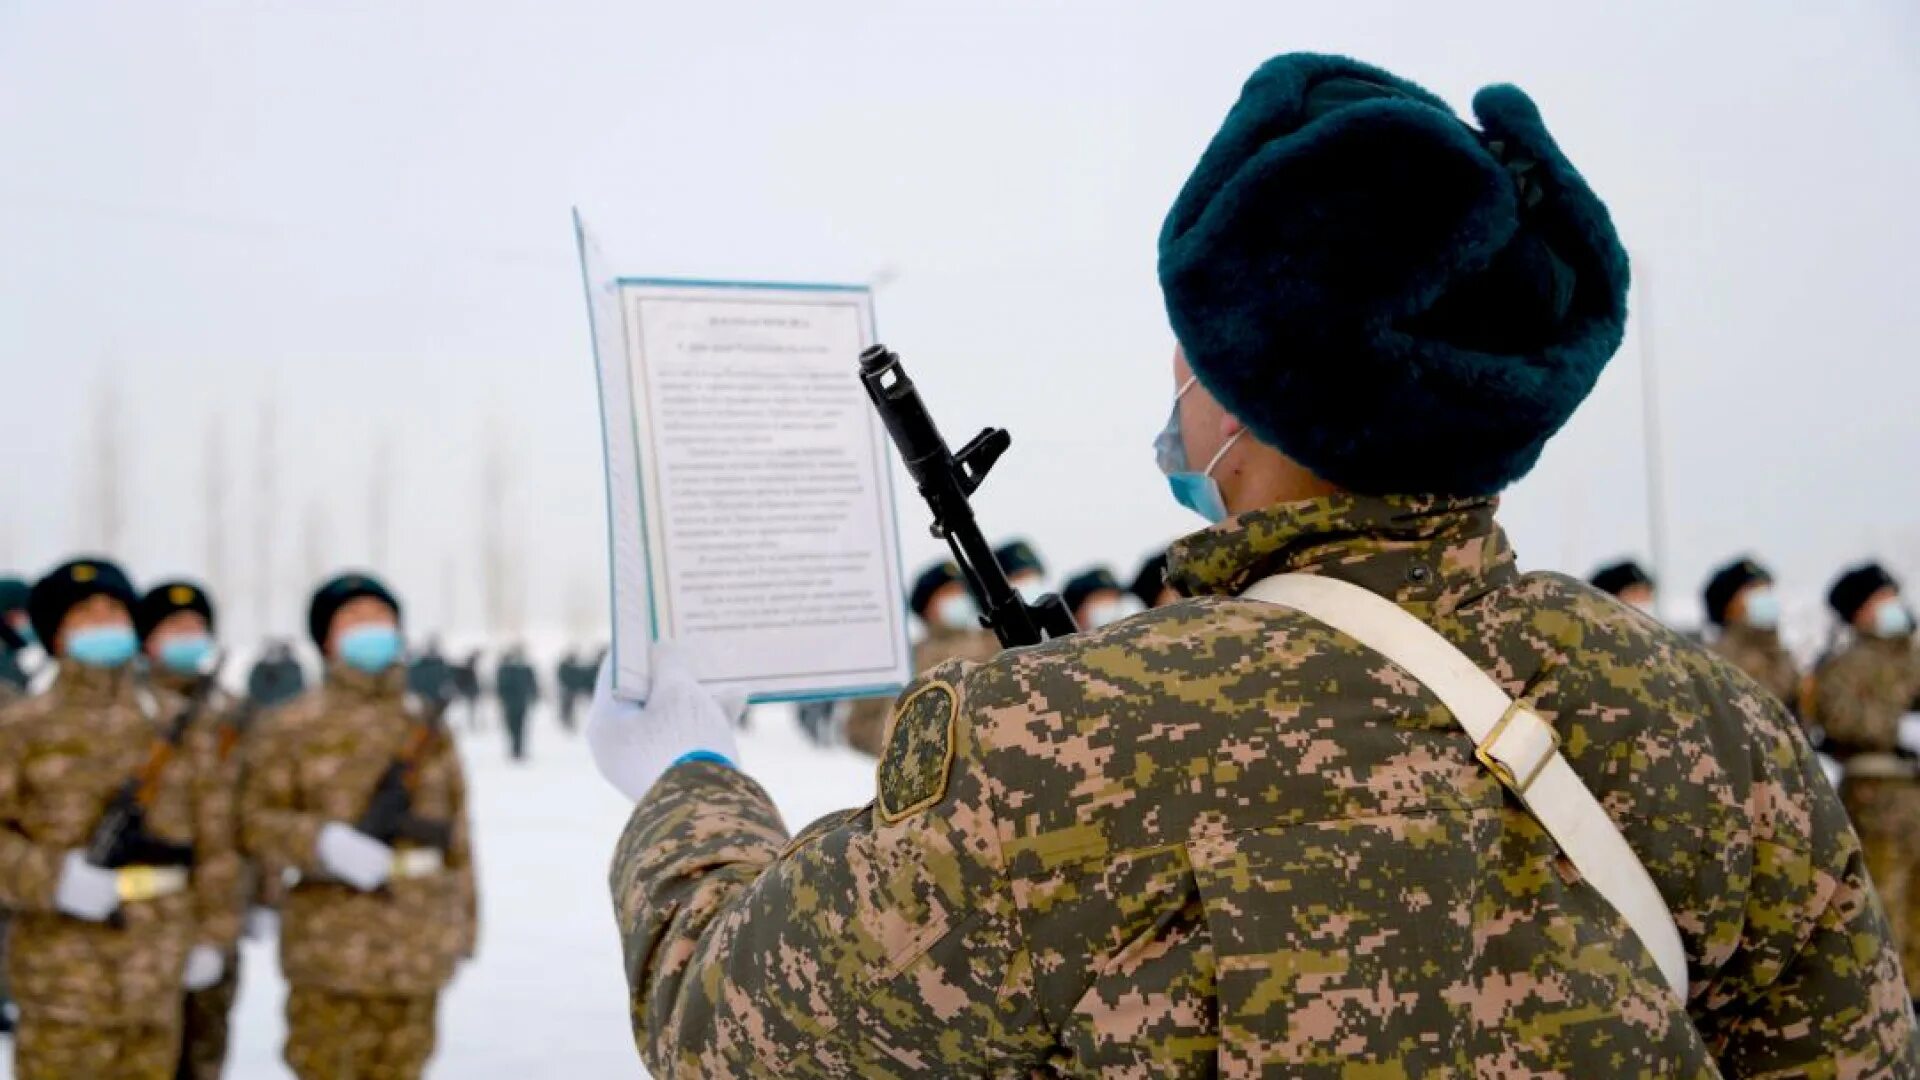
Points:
(563, 683)
(1097, 598)
(1742, 604)
(373, 930)
(1547, 837)
(1150, 584)
(463, 682)
(116, 852)
(276, 677)
(1629, 583)
(1865, 697)
(940, 601)
(1024, 569)
(175, 621)
(430, 677)
(20, 652)
(519, 688)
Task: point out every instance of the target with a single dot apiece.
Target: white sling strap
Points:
(1519, 747)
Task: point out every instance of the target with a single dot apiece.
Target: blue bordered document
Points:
(749, 489)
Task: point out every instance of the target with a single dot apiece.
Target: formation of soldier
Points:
(147, 816)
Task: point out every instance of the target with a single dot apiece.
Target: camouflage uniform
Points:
(1859, 697)
(364, 968)
(867, 723)
(97, 1000)
(221, 722)
(1221, 838)
(1765, 661)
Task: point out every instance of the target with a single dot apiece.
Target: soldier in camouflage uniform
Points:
(1741, 603)
(1223, 838)
(100, 956)
(1097, 598)
(1628, 582)
(1150, 585)
(940, 601)
(175, 620)
(374, 929)
(1865, 697)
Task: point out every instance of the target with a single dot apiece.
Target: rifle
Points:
(122, 840)
(389, 816)
(946, 480)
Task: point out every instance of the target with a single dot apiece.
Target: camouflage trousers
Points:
(1886, 814)
(206, 1025)
(54, 1050)
(334, 1036)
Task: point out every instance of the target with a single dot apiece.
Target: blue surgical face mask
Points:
(1763, 610)
(372, 649)
(1031, 589)
(186, 654)
(102, 646)
(1197, 491)
(1892, 620)
(957, 612)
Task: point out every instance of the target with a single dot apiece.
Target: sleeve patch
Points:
(919, 753)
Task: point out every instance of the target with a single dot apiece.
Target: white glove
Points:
(1832, 769)
(354, 857)
(263, 923)
(85, 891)
(205, 965)
(1909, 737)
(634, 745)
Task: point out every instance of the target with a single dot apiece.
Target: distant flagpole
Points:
(1650, 428)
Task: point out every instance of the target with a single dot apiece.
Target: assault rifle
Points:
(946, 481)
(389, 815)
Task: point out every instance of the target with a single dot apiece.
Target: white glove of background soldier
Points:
(354, 857)
(634, 745)
(85, 891)
(205, 965)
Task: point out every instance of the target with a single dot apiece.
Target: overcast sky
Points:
(348, 223)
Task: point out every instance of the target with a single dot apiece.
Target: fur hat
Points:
(1017, 555)
(1087, 582)
(331, 597)
(1855, 587)
(1619, 577)
(168, 598)
(1726, 584)
(66, 585)
(1398, 302)
(931, 580)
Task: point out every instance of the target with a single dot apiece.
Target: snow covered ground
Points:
(546, 996)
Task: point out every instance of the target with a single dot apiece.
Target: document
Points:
(749, 489)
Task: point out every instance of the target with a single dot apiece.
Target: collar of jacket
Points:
(1750, 636)
(349, 681)
(1427, 554)
(80, 684)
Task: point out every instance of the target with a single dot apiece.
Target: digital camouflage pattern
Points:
(318, 760)
(1221, 837)
(867, 723)
(358, 1036)
(52, 1050)
(1759, 654)
(1860, 694)
(63, 756)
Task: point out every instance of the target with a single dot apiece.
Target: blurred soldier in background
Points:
(377, 923)
(1864, 698)
(1741, 602)
(941, 602)
(1374, 801)
(573, 682)
(1097, 598)
(1024, 569)
(1629, 583)
(518, 688)
(116, 848)
(1150, 584)
(430, 677)
(276, 678)
(176, 624)
(17, 664)
(463, 681)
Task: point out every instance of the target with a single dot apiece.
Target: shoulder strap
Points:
(1511, 740)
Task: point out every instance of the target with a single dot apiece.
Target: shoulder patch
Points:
(919, 753)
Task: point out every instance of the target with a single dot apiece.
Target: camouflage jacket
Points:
(64, 755)
(317, 760)
(226, 721)
(1760, 655)
(1860, 693)
(867, 723)
(1221, 838)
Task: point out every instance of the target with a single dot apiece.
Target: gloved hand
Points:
(1908, 737)
(205, 965)
(85, 891)
(263, 923)
(354, 857)
(634, 745)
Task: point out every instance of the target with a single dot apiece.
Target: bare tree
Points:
(380, 506)
(214, 515)
(105, 520)
(264, 581)
(314, 543)
(501, 583)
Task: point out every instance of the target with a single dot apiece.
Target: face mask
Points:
(1892, 620)
(102, 646)
(1647, 608)
(1763, 610)
(957, 612)
(1108, 612)
(1031, 589)
(371, 649)
(186, 654)
(1197, 491)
